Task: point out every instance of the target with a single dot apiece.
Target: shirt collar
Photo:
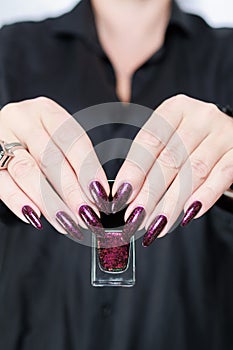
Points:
(80, 22)
(180, 19)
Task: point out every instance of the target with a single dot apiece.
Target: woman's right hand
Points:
(57, 174)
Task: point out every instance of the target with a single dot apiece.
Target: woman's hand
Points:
(181, 159)
(57, 174)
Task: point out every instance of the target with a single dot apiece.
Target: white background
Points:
(216, 12)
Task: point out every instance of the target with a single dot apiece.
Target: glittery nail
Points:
(191, 212)
(32, 217)
(154, 230)
(91, 220)
(69, 225)
(133, 223)
(121, 197)
(112, 256)
(100, 196)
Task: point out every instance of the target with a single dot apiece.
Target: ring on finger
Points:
(7, 152)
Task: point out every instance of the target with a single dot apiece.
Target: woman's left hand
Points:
(182, 158)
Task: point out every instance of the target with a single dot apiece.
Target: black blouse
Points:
(182, 299)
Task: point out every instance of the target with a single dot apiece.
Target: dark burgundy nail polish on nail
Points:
(32, 217)
(133, 222)
(121, 197)
(154, 230)
(91, 220)
(69, 225)
(100, 196)
(112, 256)
(191, 212)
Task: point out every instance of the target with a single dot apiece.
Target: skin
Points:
(62, 141)
(173, 144)
(194, 160)
(180, 149)
(144, 21)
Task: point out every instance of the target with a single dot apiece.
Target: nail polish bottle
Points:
(112, 259)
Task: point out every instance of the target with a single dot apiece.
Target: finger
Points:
(18, 202)
(68, 136)
(144, 150)
(25, 172)
(164, 170)
(72, 139)
(218, 181)
(61, 175)
(191, 176)
(59, 172)
(160, 137)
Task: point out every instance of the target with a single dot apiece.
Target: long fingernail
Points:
(191, 212)
(100, 196)
(121, 196)
(32, 217)
(154, 230)
(69, 225)
(112, 256)
(133, 223)
(91, 220)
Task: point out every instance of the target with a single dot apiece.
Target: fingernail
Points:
(69, 225)
(112, 256)
(91, 220)
(100, 196)
(133, 223)
(191, 212)
(121, 197)
(32, 217)
(154, 230)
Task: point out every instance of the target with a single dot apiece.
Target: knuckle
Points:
(46, 103)
(176, 102)
(133, 170)
(9, 110)
(148, 140)
(170, 158)
(212, 111)
(212, 108)
(43, 100)
(180, 98)
(71, 192)
(176, 99)
(149, 193)
(22, 167)
(200, 168)
(51, 157)
(69, 132)
(14, 110)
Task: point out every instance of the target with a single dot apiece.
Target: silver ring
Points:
(6, 152)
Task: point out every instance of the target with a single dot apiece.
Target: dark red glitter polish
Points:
(91, 220)
(133, 223)
(69, 225)
(112, 255)
(154, 230)
(32, 217)
(191, 212)
(100, 196)
(121, 197)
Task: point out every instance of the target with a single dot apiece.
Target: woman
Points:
(149, 53)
